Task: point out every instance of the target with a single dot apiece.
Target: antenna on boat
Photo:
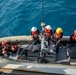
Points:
(42, 23)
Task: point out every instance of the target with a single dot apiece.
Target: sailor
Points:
(48, 31)
(14, 48)
(7, 48)
(73, 37)
(35, 35)
(46, 42)
(58, 33)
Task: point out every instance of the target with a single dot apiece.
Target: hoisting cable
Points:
(42, 10)
(42, 23)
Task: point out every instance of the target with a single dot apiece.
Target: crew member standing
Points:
(46, 42)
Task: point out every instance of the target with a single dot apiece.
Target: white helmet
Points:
(33, 29)
(48, 27)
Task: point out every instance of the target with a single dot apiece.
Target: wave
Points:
(18, 16)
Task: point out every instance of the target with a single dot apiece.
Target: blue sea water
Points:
(18, 16)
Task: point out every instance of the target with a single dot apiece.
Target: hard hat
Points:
(74, 32)
(5, 42)
(48, 28)
(42, 24)
(33, 29)
(59, 30)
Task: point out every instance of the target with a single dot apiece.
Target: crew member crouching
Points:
(7, 48)
(35, 35)
(58, 33)
(14, 48)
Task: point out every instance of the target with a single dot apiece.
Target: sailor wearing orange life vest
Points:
(58, 33)
(7, 48)
(35, 34)
(48, 31)
(46, 41)
(73, 37)
(14, 48)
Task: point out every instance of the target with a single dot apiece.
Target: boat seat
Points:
(61, 56)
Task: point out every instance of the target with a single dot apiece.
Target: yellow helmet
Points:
(59, 30)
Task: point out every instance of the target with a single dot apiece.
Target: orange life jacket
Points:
(34, 34)
(48, 34)
(14, 48)
(8, 49)
(74, 38)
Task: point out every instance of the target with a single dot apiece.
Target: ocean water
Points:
(18, 16)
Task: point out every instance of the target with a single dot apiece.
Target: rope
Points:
(42, 10)
(27, 47)
(59, 43)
